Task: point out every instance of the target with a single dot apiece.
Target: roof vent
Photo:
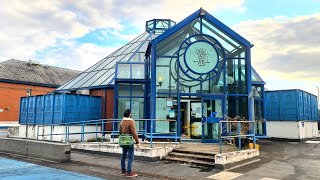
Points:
(34, 63)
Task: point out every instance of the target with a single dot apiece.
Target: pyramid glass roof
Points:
(103, 72)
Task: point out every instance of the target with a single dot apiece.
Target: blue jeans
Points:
(130, 152)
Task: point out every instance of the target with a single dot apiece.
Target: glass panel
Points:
(232, 47)
(137, 71)
(105, 63)
(124, 89)
(255, 76)
(124, 71)
(68, 86)
(103, 77)
(236, 76)
(132, 48)
(196, 119)
(237, 106)
(124, 48)
(96, 65)
(136, 105)
(138, 57)
(109, 81)
(162, 111)
(164, 83)
(137, 112)
(137, 38)
(172, 44)
(94, 78)
(122, 102)
(84, 79)
(211, 109)
(143, 37)
(144, 47)
(137, 89)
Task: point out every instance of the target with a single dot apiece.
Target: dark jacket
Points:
(127, 126)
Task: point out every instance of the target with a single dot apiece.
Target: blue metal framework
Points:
(160, 37)
(175, 29)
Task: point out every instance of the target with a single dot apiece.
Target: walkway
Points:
(279, 160)
(13, 169)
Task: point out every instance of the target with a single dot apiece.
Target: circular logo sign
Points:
(201, 57)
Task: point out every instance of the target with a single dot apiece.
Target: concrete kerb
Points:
(113, 149)
(230, 159)
(36, 149)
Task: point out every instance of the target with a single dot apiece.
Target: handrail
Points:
(239, 135)
(102, 123)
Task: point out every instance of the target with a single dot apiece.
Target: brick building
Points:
(17, 78)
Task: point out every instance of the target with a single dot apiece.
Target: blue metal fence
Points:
(237, 129)
(100, 130)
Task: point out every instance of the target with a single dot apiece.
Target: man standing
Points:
(127, 126)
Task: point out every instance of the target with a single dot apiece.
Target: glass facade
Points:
(202, 67)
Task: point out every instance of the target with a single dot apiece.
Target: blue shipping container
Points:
(39, 109)
(59, 108)
(291, 105)
(23, 111)
(31, 110)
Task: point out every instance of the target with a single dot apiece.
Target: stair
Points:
(195, 159)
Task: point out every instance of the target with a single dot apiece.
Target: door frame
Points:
(223, 106)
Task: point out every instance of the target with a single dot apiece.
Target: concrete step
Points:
(186, 151)
(190, 161)
(193, 156)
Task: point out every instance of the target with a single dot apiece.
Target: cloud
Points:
(74, 55)
(285, 49)
(32, 28)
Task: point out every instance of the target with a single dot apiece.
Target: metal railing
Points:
(239, 129)
(100, 129)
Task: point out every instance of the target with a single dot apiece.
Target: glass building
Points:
(196, 72)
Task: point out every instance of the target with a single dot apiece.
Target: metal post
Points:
(254, 136)
(82, 132)
(38, 132)
(50, 133)
(68, 132)
(102, 131)
(96, 132)
(176, 133)
(113, 123)
(239, 135)
(220, 138)
(151, 133)
(65, 139)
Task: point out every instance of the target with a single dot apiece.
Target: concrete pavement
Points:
(279, 160)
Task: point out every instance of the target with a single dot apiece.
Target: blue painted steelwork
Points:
(102, 123)
(237, 132)
(207, 22)
(151, 25)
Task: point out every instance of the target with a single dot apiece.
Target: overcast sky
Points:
(77, 34)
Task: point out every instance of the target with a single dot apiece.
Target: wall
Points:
(10, 98)
(31, 132)
(107, 96)
(292, 129)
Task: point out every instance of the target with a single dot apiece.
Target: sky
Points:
(77, 34)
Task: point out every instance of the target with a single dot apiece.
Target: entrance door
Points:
(211, 113)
